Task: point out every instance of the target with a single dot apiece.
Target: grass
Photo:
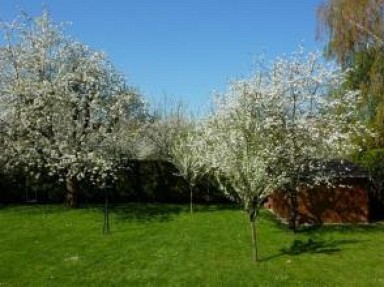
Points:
(163, 245)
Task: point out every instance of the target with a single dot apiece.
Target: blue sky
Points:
(183, 49)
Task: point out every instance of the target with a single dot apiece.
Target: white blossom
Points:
(64, 107)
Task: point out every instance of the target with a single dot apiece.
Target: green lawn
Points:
(163, 245)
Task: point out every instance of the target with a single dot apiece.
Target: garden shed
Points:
(348, 200)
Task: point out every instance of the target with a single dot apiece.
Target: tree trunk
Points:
(252, 220)
(106, 229)
(254, 240)
(72, 192)
(191, 199)
(294, 210)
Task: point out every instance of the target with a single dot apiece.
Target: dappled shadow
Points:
(147, 212)
(317, 229)
(350, 228)
(312, 246)
(34, 209)
(160, 212)
(316, 246)
(215, 207)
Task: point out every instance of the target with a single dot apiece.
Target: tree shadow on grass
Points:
(34, 208)
(316, 246)
(346, 228)
(160, 212)
(142, 212)
(216, 207)
(312, 246)
(316, 229)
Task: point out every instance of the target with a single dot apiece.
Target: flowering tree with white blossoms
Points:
(62, 105)
(174, 137)
(164, 128)
(233, 155)
(275, 130)
(307, 119)
(186, 153)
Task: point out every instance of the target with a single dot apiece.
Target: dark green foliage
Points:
(373, 161)
(17, 187)
(367, 76)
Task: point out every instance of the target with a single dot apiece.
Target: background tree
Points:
(173, 136)
(350, 27)
(186, 153)
(160, 133)
(373, 161)
(354, 31)
(63, 105)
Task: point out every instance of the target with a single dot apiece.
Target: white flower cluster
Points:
(267, 130)
(64, 109)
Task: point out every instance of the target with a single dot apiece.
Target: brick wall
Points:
(321, 204)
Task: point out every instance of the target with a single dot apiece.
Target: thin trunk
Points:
(252, 220)
(191, 199)
(254, 240)
(106, 229)
(72, 192)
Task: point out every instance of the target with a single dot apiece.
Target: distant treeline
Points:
(139, 181)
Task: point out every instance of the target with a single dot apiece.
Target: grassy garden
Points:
(164, 245)
(74, 129)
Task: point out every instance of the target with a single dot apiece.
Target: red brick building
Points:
(348, 201)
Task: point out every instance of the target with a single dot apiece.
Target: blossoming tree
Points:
(63, 106)
(232, 155)
(187, 155)
(275, 130)
(308, 119)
